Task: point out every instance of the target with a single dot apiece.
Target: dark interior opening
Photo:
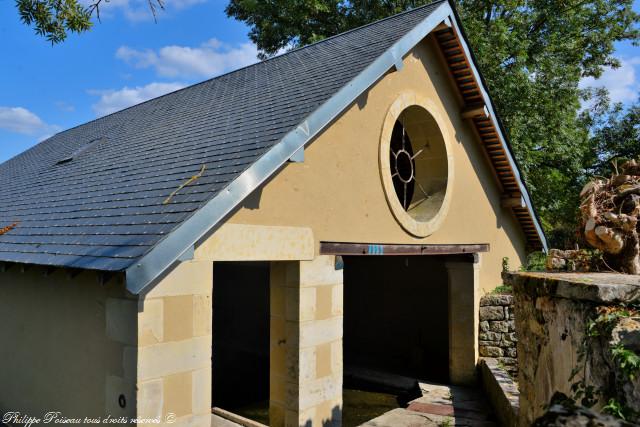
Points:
(240, 325)
(396, 316)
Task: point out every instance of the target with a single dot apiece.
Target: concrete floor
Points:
(217, 421)
(440, 405)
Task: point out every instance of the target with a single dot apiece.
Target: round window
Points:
(415, 168)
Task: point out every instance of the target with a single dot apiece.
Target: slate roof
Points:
(104, 209)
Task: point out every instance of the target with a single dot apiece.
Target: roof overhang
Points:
(180, 243)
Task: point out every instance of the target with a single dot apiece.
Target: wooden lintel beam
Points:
(475, 110)
(512, 201)
(338, 248)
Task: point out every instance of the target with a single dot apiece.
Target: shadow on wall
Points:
(468, 139)
(334, 421)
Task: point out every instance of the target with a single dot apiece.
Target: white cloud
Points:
(210, 59)
(139, 10)
(115, 100)
(623, 83)
(21, 120)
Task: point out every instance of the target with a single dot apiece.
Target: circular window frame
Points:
(408, 223)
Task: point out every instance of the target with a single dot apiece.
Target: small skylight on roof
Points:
(80, 150)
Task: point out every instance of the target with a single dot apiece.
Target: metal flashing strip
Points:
(298, 156)
(493, 117)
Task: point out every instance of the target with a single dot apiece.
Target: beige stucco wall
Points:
(338, 193)
(63, 344)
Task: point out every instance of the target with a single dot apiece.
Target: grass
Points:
(502, 289)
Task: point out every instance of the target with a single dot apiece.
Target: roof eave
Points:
(499, 127)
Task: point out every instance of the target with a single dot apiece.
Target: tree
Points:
(610, 198)
(532, 53)
(615, 136)
(54, 19)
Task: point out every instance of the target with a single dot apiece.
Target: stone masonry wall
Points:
(306, 343)
(174, 348)
(553, 313)
(497, 336)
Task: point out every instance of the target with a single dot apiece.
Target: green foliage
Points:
(615, 134)
(618, 409)
(53, 19)
(532, 54)
(627, 360)
(536, 261)
(600, 327)
(615, 408)
(606, 320)
(502, 289)
(505, 264)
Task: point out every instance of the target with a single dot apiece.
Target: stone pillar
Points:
(464, 302)
(174, 347)
(306, 343)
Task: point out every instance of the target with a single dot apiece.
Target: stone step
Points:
(406, 418)
(384, 380)
(479, 405)
(449, 410)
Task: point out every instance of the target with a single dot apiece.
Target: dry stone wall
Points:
(497, 336)
(553, 312)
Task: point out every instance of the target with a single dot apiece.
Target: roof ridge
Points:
(386, 18)
(252, 65)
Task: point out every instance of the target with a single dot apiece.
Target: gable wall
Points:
(337, 191)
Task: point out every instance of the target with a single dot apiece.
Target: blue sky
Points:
(128, 58)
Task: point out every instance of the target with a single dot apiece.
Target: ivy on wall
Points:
(625, 369)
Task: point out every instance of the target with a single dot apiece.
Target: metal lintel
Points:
(340, 248)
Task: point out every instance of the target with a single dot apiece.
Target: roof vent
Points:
(82, 149)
